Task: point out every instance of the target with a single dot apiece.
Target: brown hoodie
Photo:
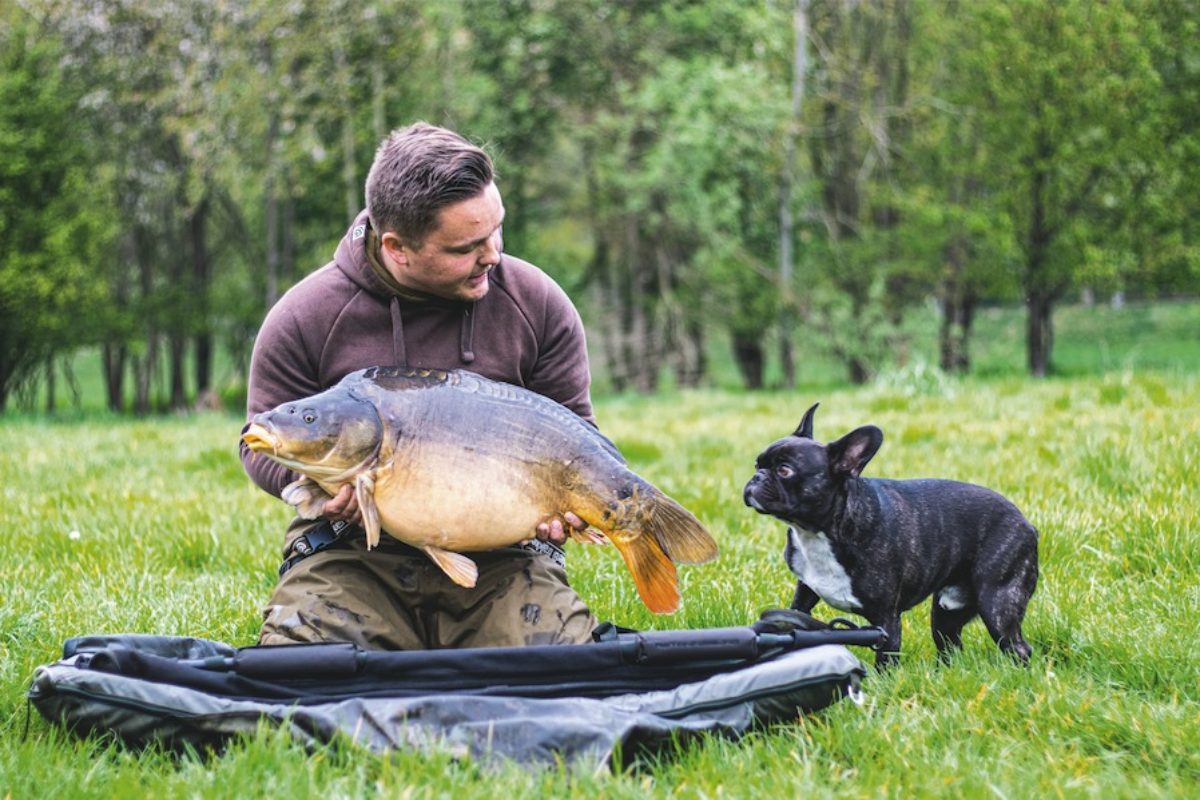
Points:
(345, 317)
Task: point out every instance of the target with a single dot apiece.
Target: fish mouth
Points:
(259, 439)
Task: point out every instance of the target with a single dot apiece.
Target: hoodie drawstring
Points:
(399, 352)
(467, 339)
(466, 336)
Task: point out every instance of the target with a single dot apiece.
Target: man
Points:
(419, 280)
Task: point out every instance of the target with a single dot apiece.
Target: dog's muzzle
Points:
(749, 498)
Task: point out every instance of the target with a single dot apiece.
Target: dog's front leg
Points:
(888, 652)
(805, 598)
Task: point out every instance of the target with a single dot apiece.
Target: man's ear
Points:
(393, 248)
(805, 431)
(850, 454)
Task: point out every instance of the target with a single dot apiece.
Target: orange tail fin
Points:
(682, 537)
(653, 573)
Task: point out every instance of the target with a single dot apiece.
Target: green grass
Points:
(172, 539)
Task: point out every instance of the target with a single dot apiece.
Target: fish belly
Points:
(462, 504)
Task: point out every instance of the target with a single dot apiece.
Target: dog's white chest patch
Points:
(809, 555)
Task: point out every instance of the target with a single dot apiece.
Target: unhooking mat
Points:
(632, 694)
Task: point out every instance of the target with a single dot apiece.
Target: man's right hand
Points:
(343, 506)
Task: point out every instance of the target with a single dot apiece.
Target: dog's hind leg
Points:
(1002, 611)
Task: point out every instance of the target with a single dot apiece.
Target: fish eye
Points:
(785, 471)
(310, 417)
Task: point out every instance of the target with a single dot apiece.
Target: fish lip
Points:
(259, 439)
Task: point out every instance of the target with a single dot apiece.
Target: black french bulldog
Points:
(878, 547)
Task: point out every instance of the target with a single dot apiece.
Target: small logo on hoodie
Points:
(359, 232)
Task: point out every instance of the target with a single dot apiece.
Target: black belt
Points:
(332, 533)
(326, 535)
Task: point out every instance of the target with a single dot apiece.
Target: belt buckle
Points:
(548, 549)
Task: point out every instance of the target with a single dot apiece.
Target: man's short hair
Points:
(418, 171)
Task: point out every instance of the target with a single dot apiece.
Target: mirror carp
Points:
(450, 462)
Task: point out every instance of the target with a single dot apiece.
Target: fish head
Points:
(327, 436)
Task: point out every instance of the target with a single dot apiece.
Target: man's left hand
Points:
(555, 530)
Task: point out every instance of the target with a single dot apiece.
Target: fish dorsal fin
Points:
(364, 492)
(457, 567)
(510, 394)
(608, 445)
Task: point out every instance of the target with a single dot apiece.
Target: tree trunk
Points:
(691, 364)
(955, 333)
(378, 100)
(1039, 297)
(114, 358)
(857, 371)
(50, 398)
(202, 281)
(68, 368)
(271, 213)
(957, 302)
(350, 185)
(642, 346)
(143, 376)
(748, 354)
(1039, 332)
(612, 323)
(176, 353)
(786, 220)
(600, 270)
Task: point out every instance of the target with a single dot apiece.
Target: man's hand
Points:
(343, 506)
(554, 530)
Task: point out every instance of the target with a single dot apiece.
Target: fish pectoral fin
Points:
(683, 537)
(307, 496)
(653, 573)
(457, 567)
(364, 492)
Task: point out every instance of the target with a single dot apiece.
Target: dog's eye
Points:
(785, 471)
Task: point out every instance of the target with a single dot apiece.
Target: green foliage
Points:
(208, 155)
(55, 221)
(151, 527)
(1064, 98)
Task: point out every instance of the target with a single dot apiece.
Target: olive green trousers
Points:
(394, 598)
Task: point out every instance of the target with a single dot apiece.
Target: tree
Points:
(856, 129)
(56, 222)
(1064, 92)
(956, 237)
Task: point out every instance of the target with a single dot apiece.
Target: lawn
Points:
(150, 526)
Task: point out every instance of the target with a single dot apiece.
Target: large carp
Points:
(451, 462)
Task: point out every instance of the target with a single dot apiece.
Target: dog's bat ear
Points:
(805, 429)
(850, 454)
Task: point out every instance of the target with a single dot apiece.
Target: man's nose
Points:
(492, 250)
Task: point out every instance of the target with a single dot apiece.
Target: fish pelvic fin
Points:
(653, 573)
(682, 537)
(457, 567)
(364, 492)
(588, 536)
(307, 497)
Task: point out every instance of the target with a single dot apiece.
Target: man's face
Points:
(455, 258)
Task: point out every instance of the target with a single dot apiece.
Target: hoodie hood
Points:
(357, 256)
